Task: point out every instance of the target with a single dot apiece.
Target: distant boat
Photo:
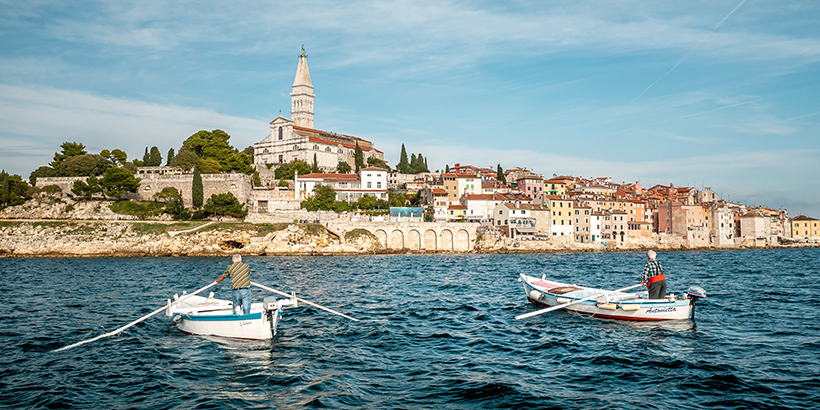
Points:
(610, 304)
(209, 316)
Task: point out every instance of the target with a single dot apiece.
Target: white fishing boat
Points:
(216, 317)
(209, 316)
(617, 304)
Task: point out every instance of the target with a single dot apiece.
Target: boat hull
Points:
(619, 306)
(215, 317)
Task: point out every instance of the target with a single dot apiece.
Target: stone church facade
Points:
(296, 139)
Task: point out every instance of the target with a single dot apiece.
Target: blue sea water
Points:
(436, 331)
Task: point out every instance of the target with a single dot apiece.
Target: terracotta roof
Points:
(337, 143)
(803, 218)
(330, 177)
(457, 207)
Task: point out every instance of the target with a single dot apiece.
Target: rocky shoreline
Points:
(91, 230)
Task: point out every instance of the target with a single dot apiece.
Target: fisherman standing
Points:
(653, 277)
(240, 274)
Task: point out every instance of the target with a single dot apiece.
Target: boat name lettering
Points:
(245, 322)
(660, 310)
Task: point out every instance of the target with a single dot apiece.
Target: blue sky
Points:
(722, 94)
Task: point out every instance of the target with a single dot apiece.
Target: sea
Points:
(435, 332)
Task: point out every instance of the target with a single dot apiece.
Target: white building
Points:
(349, 187)
(296, 139)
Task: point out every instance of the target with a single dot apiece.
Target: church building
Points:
(296, 139)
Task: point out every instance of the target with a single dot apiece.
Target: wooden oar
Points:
(561, 306)
(134, 322)
(303, 301)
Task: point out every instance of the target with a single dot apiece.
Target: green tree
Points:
(19, 191)
(418, 164)
(255, 180)
(499, 174)
(70, 149)
(44, 172)
(172, 199)
(323, 198)
(368, 202)
(287, 171)
(315, 166)
(4, 196)
(225, 204)
(209, 166)
(197, 191)
(375, 162)
(154, 158)
(170, 157)
(446, 169)
(186, 158)
(343, 167)
(146, 158)
(87, 188)
(83, 165)
(358, 158)
(403, 166)
(116, 157)
(214, 144)
(398, 200)
(116, 182)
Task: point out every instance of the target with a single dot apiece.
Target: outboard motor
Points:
(271, 308)
(694, 293)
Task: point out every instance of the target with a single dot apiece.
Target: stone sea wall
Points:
(90, 228)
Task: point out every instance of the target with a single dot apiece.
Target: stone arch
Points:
(461, 241)
(446, 240)
(396, 239)
(413, 240)
(430, 240)
(381, 235)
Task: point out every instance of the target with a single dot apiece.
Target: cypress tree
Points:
(146, 158)
(197, 192)
(170, 157)
(315, 166)
(403, 166)
(154, 158)
(359, 158)
(446, 169)
(499, 174)
(5, 194)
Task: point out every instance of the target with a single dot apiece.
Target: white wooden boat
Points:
(209, 316)
(610, 304)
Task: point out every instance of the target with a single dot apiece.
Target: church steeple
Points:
(301, 97)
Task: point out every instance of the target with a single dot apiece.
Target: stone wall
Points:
(151, 183)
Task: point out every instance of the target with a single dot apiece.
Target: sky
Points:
(720, 94)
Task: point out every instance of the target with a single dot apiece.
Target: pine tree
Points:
(359, 158)
(403, 166)
(197, 192)
(170, 157)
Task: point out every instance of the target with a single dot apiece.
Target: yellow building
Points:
(805, 227)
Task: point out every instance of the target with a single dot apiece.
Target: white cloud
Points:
(36, 120)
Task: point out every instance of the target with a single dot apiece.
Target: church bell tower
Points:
(301, 96)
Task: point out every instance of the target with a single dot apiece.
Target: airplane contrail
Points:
(684, 57)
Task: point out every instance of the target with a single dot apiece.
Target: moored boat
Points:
(616, 304)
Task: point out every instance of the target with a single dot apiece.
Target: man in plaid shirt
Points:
(653, 277)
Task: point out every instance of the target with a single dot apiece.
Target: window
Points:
(378, 184)
(369, 184)
(316, 147)
(280, 133)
